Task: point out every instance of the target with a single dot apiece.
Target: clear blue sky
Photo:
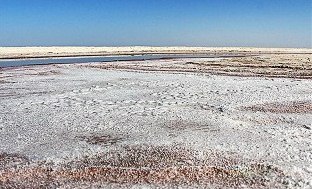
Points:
(260, 23)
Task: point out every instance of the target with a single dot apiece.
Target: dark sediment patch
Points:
(101, 139)
(215, 70)
(9, 160)
(282, 107)
(153, 165)
(176, 126)
(47, 73)
(298, 66)
(3, 81)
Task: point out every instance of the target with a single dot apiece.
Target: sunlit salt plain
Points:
(159, 126)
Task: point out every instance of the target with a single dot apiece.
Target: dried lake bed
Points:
(182, 123)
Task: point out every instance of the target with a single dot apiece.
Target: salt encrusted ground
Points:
(79, 126)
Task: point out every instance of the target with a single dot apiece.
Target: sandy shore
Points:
(183, 123)
(36, 52)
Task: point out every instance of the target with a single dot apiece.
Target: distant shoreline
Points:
(55, 52)
(139, 54)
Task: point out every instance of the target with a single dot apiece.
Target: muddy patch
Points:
(282, 107)
(153, 165)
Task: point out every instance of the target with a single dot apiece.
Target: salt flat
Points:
(119, 125)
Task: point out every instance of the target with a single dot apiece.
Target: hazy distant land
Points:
(36, 52)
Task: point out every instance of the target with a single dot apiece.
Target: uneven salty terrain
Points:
(236, 122)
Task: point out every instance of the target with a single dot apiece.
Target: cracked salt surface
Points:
(75, 112)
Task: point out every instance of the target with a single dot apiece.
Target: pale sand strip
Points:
(35, 52)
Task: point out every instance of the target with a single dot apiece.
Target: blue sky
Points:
(259, 23)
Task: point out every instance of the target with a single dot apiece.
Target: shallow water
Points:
(69, 60)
